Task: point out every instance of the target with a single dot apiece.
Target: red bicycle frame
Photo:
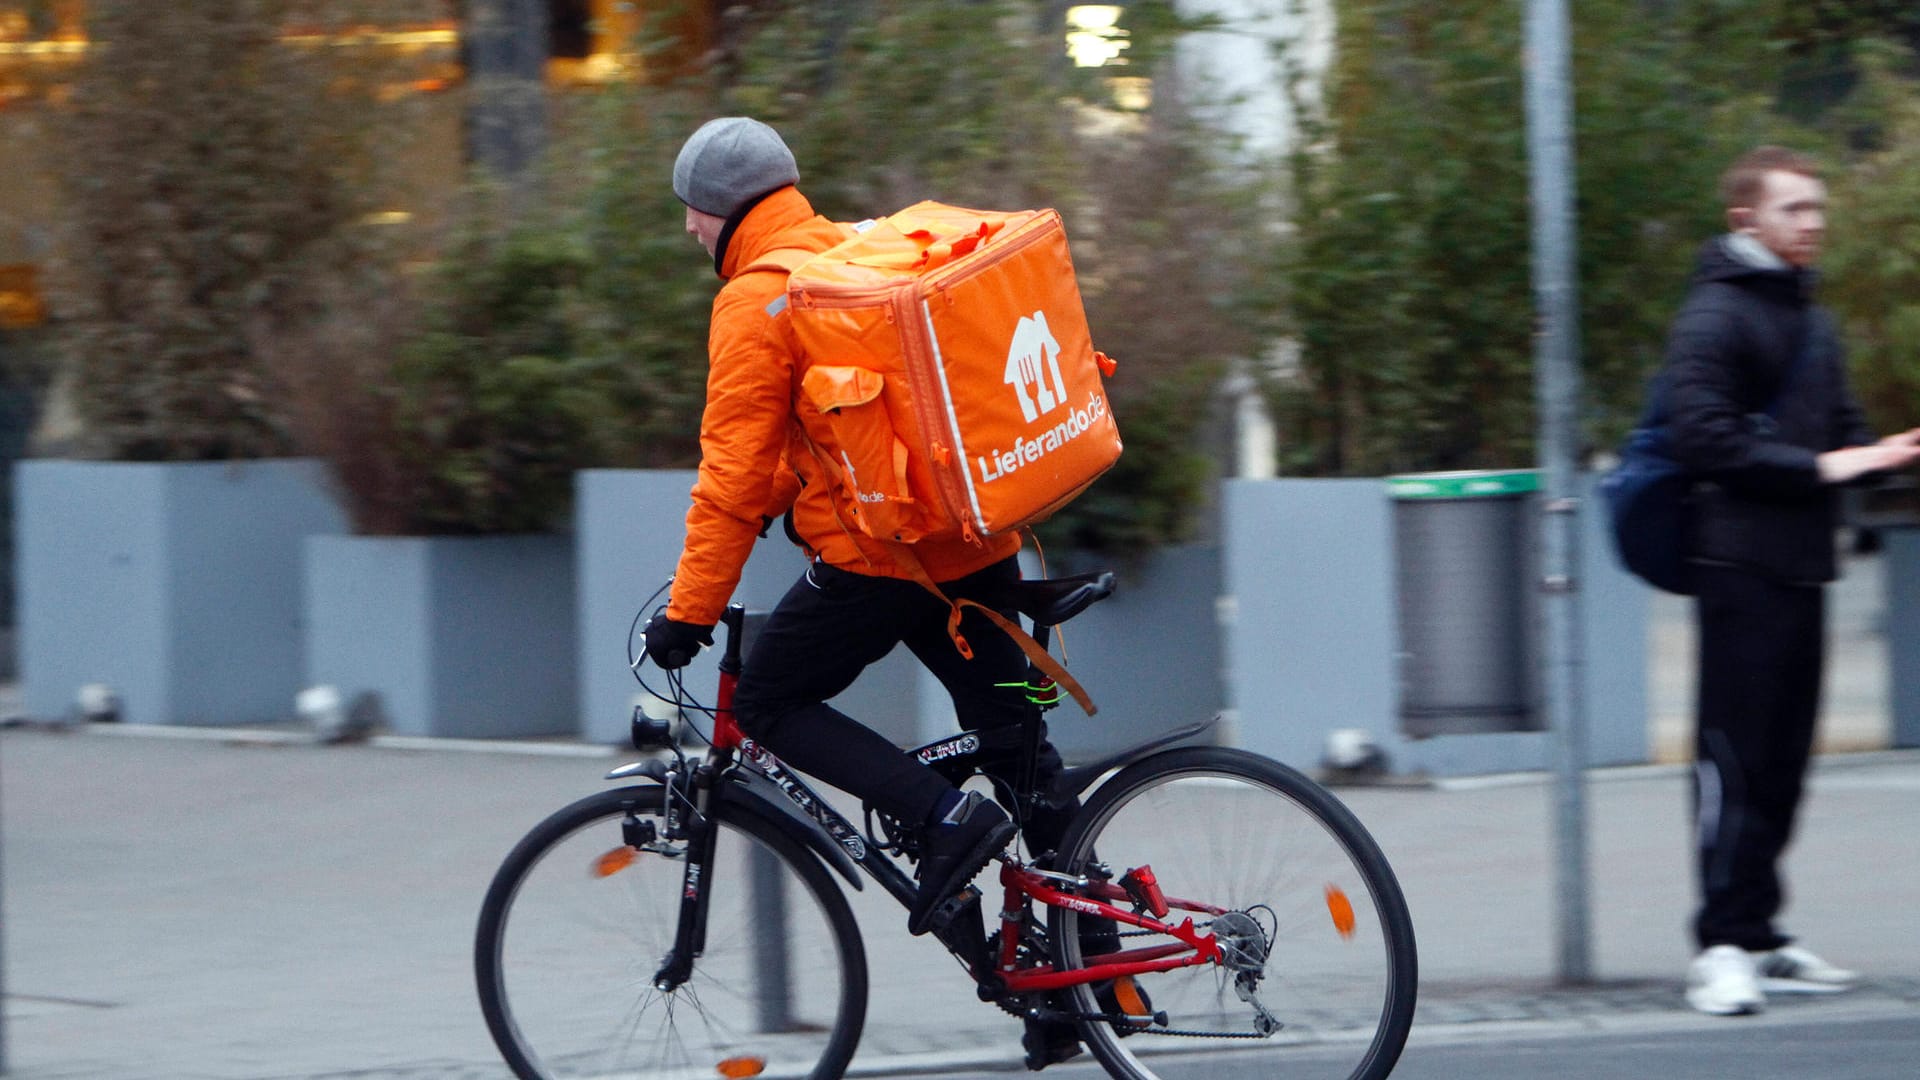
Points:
(726, 733)
(1189, 948)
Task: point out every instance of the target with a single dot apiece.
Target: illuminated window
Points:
(1094, 35)
(591, 41)
(21, 304)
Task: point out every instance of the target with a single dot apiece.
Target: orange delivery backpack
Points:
(948, 351)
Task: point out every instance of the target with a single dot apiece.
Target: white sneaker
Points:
(1724, 981)
(1791, 969)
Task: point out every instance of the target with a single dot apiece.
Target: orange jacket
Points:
(754, 459)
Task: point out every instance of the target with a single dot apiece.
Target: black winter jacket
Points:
(1760, 504)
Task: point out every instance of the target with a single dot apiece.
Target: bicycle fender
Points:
(753, 793)
(1071, 782)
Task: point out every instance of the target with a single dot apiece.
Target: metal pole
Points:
(768, 930)
(1549, 106)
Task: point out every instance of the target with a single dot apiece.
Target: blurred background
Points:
(1305, 218)
(432, 244)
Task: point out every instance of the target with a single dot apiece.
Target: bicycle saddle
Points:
(1052, 601)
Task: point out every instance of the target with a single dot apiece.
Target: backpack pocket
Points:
(868, 460)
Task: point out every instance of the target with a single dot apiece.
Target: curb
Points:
(268, 736)
(246, 736)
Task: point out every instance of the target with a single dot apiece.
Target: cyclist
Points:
(857, 599)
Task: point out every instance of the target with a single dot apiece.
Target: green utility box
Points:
(1464, 568)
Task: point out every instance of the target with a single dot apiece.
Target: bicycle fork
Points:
(686, 801)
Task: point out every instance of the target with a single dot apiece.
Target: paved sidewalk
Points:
(233, 908)
(244, 906)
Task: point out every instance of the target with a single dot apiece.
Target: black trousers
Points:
(833, 623)
(1762, 649)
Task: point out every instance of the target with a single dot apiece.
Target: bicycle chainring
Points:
(1030, 952)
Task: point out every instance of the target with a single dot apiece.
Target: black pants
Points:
(1762, 647)
(833, 623)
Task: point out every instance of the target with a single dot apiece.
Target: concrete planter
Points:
(629, 527)
(469, 636)
(177, 585)
(1315, 644)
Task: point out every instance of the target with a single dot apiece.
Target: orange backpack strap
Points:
(785, 260)
(1036, 655)
(828, 466)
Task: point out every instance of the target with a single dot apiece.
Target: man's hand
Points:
(673, 644)
(1853, 462)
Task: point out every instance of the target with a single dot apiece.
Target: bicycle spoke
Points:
(568, 957)
(1314, 946)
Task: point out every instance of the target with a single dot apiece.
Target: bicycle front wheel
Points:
(577, 922)
(1318, 969)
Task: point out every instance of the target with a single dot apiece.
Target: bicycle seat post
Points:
(1027, 776)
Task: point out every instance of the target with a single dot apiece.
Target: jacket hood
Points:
(1738, 260)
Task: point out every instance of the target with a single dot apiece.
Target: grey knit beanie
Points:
(730, 162)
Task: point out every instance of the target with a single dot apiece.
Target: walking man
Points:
(1761, 415)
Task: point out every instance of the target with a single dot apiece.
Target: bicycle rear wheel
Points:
(1319, 969)
(576, 923)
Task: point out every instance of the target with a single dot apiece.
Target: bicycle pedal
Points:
(953, 908)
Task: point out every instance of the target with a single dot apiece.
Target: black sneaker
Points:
(954, 850)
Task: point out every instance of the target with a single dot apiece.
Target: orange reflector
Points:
(1341, 909)
(613, 861)
(739, 1067)
(1127, 995)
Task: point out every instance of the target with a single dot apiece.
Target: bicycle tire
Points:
(565, 956)
(1340, 969)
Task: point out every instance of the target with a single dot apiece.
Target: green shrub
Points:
(1873, 257)
(1408, 288)
(461, 402)
(885, 104)
(208, 174)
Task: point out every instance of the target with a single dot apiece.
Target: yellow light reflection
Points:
(1094, 35)
(408, 39)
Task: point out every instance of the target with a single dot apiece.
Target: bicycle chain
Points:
(1018, 1004)
(1201, 1034)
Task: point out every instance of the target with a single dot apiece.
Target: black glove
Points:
(673, 644)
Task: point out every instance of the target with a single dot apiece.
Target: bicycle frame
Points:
(732, 749)
(1024, 883)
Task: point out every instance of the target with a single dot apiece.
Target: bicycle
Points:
(652, 929)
